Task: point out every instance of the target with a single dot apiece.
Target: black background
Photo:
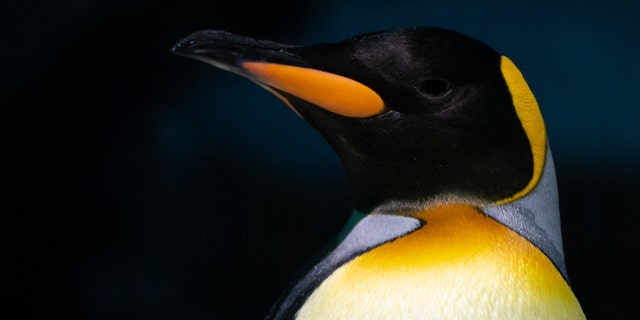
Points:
(143, 185)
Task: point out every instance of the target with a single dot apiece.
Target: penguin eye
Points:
(434, 88)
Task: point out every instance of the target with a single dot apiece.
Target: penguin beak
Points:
(277, 68)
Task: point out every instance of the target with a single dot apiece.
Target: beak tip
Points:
(176, 49)
(182, 47)
(199, 39)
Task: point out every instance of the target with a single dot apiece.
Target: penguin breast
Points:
(460, 264)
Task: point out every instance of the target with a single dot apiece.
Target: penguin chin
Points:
(347, 147)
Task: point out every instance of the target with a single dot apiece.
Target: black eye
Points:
(434, 88)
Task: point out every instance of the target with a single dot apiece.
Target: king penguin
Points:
(447, 160)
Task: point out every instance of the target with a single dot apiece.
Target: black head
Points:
(430, 114)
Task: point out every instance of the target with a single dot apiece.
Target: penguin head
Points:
(415, 114)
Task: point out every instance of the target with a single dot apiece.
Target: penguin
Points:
(448, 164)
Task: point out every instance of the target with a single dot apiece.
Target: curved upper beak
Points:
(228, 51)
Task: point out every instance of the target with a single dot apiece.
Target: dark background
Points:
(143, 185)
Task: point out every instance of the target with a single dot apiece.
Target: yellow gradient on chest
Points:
(529, 114)
(460, 265)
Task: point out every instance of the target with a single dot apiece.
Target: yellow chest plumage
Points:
(459, 265)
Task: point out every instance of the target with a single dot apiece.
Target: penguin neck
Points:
(424, 180)
(535, 216)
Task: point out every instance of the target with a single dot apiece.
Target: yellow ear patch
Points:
(326, 90)
(531, 119)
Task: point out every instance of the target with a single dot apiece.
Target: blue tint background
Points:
(143, 185)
